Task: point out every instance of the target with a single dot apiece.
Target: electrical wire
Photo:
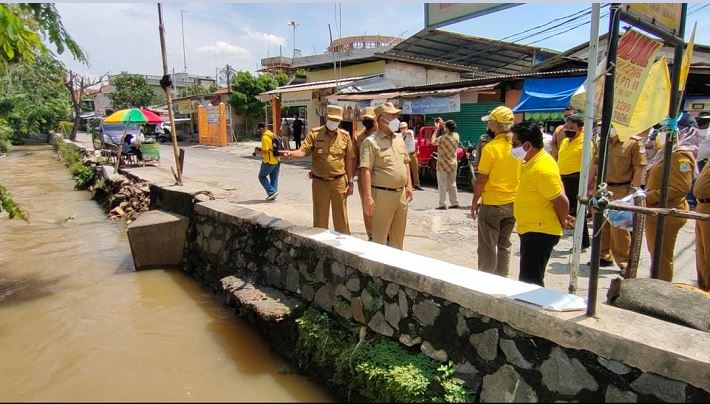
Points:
(698, 9)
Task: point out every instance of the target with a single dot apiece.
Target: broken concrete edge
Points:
(651, 345)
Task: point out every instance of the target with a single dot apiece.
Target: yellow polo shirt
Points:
(569, 157)
(503, 171)
(267, 144)
(540, 182)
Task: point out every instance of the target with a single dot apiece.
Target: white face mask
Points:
(518, 153)
(393, 125)
(332, 125)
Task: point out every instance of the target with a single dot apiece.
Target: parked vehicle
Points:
(427, 157)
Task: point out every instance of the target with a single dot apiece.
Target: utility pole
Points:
(182, 28)
(294, 25)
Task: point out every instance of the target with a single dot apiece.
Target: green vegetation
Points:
(33, 99)
(24, 25)
(132, 91)
(245, 89)
(27, 70)
(72, 158)
(380, 370)
(9, 206)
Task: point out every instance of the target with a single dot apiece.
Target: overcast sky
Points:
(124, 36)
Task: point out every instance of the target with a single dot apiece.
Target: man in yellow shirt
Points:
(541, 207)
(559, 133)
(270, 163)
(496, 185)
(569, 161)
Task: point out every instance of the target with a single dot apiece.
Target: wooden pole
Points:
(168, 97)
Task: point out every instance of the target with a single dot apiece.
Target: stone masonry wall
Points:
(498, 361)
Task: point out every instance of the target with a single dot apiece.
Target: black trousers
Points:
(297, 140)
(535, 250)
(571, 184)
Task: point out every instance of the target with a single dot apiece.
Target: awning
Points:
(541, 95)
(315, 85)
(411, 94)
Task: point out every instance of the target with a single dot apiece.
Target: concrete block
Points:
(157, 239)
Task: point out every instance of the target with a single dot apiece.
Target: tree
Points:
(22, 28)
(76, 85)
(24, 25)
(132, 91)
(194, 89)
(33, 98)
(213, 87)
(245, 89)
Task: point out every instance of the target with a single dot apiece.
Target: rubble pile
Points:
(128, 200)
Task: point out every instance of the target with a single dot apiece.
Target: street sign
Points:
(664, 16)
(440, 14)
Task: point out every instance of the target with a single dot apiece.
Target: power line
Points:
(544, 25)
(567, 30)
(698, 9)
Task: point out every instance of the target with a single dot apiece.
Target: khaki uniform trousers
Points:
(327, 194)
(414, 168)
(670, 233)
(495, 224)
(616, 242)
(702, 247)
(366, 219)
(390, 218)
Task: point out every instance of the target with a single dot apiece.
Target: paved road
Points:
(231, 172)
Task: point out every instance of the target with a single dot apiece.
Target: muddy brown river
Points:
(77, 323)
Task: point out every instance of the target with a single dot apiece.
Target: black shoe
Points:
(454, 207)
(418, 188)
(605, 263)
(602, 263)
(441, 208)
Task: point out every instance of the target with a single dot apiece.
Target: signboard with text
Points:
(665, 16)
(295, 98)
(635, 56)
(432, 105)
(440, 14)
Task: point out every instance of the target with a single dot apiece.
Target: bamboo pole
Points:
(168, 97)
(686, 214)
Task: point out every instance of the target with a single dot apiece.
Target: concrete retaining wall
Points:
(505, 350)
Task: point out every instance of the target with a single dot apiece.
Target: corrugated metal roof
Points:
(481, 54)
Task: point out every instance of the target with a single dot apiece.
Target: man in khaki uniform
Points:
(681, 178)
(625, 163)
(332, 169)
(702, 229)
(369, 127)
(386, 181)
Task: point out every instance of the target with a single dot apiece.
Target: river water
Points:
(77, 323)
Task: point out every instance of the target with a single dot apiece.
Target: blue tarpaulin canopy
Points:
(548, 94)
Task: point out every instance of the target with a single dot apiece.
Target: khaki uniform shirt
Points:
(330, 151)
(387, 159)
(358, 138)
(622, 158)
(681, 178)
(702, 184)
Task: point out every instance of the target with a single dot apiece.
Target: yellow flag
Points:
(687, 59)
(652, 104)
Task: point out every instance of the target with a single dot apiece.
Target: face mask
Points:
(368, 123)
(612, 133)
(519, 153)
(393, 125)
(490, 133)
(570, 133)
(332, 125)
